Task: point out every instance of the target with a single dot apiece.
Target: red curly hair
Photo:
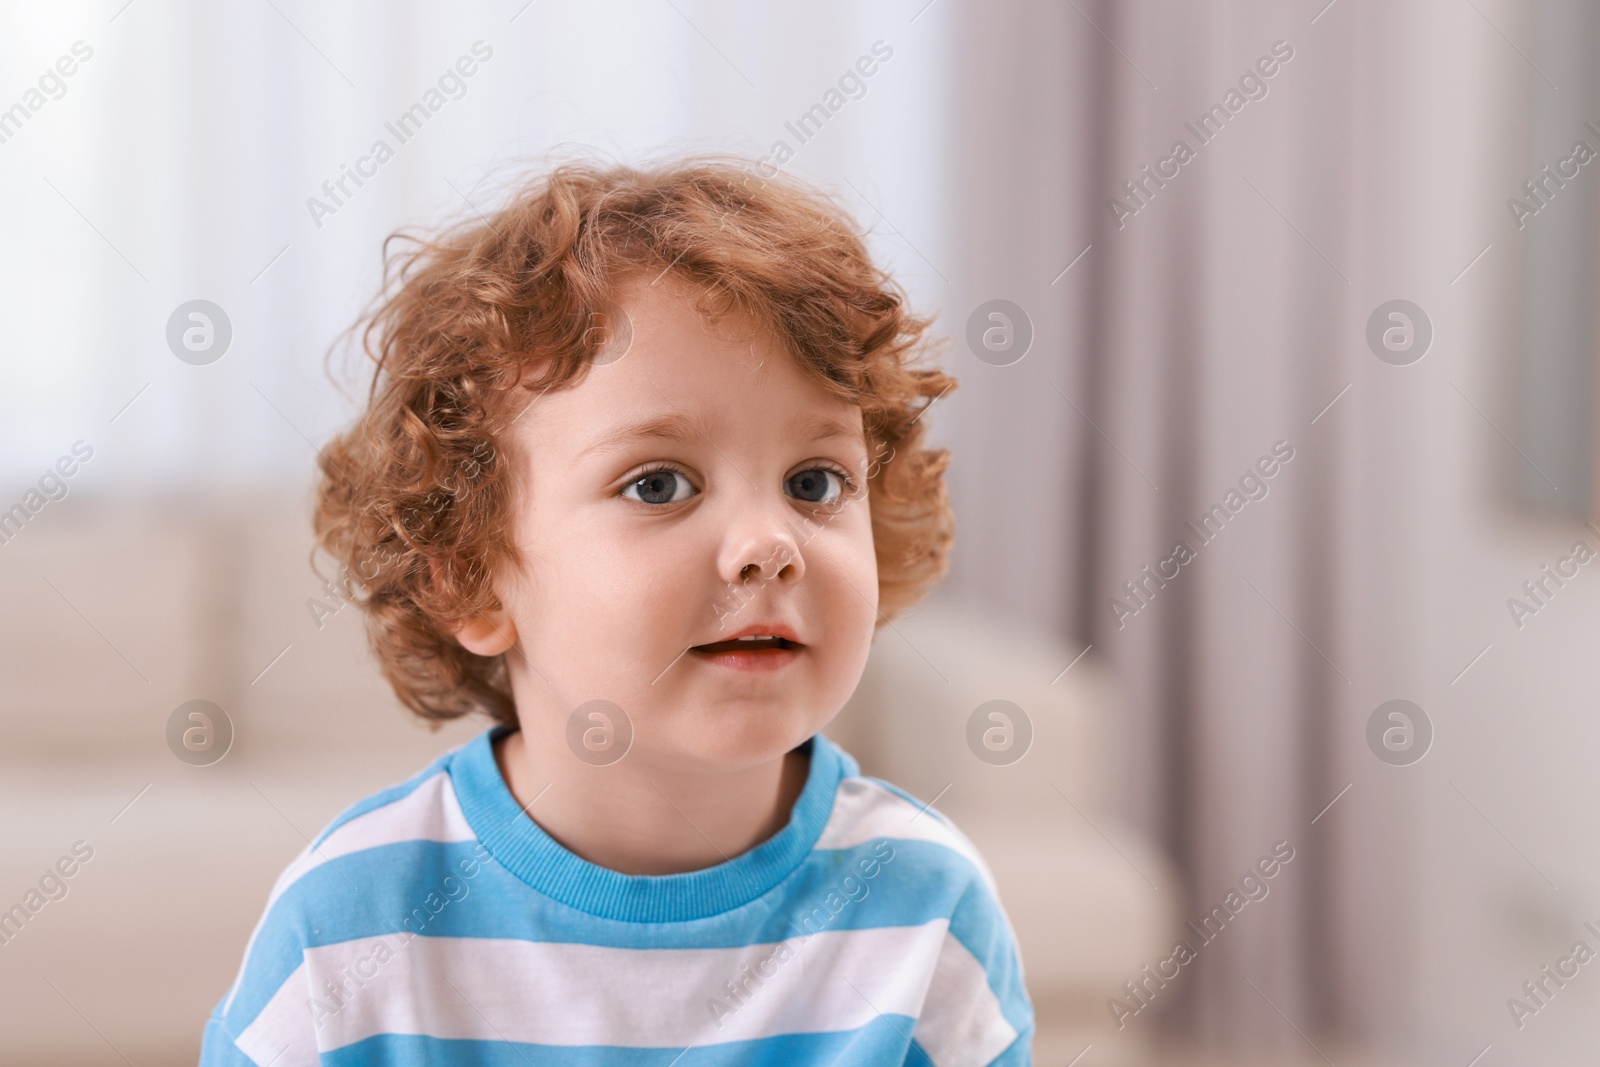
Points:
(415, 499)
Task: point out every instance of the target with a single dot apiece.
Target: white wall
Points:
(1500, 893)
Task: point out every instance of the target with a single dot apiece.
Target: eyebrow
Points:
(673, 426)
(825, 427)
(669, 427)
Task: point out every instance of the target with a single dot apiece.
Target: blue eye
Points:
(663, 486)
(817, 485)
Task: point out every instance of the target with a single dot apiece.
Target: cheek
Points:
(845, 567)
(608, 599)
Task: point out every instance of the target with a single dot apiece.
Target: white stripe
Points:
(865, 811)
(282, 1035)
(551, 993)
(961, 1023)
(430, 812)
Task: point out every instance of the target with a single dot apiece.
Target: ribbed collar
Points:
(522, 846)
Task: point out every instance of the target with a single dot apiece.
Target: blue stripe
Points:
(885, 1040)
(923, 882)
(217, 1048)
(979, 924)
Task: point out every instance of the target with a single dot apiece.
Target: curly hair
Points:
(415, 499)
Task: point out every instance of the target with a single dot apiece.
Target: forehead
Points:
(686, 377)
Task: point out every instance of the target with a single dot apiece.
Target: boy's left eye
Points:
(818, 485)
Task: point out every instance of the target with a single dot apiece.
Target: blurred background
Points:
(1275, 327)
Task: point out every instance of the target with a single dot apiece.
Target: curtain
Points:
(1199, 376)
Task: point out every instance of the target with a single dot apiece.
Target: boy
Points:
(639, 475)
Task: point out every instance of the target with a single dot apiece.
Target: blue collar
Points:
(527, 851)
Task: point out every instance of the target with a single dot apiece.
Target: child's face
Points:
(639, 546)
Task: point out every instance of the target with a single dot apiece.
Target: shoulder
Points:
(340, 885)
(976, 1007)
(421, 808)
(868, 810)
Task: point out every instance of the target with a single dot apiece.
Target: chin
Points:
(745, 739)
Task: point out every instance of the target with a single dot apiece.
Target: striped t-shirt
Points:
(437, 923)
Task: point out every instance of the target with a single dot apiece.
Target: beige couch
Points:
(117, 613)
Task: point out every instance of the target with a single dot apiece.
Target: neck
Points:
(635, 817)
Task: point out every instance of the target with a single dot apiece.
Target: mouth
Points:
(751, 652)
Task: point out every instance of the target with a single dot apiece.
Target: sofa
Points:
(118, 611)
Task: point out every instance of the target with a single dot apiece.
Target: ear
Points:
(489, 634)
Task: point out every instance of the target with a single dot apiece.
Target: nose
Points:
(764, 542)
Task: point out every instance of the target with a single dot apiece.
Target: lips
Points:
(761, 646)
(755, 637)
(748, 644)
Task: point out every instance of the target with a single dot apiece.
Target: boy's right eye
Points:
(662, 486)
